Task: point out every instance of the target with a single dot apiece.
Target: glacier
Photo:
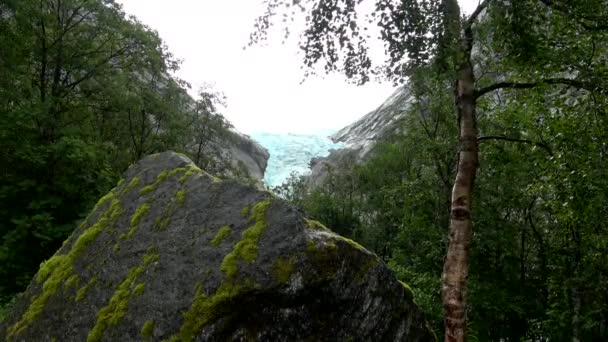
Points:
(291, 152)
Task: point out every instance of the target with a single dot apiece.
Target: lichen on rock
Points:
(222, 233)
(112, 314)
(283, 268)
(247, 248)
(60, 267)
(267, 273)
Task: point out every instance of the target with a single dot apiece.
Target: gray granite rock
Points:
(174, 254)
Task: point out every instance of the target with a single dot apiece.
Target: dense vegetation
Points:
(531, 101)
(538, 265)
(84, 92)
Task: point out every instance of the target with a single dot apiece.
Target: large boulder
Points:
(174, 254)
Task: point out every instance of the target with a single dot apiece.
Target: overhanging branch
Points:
(588, 22)
(523, 141)
(554, 81)
(477, 12)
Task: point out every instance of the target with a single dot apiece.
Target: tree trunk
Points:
(576, 314)
(456, 265)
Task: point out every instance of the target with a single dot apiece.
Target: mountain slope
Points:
(360, 137)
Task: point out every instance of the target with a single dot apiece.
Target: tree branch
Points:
(524, 141)
(599, 22)
(477, 12)
(554, 81)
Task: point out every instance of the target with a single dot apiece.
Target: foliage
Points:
(519, 68)
(539, 246)
(85, 91)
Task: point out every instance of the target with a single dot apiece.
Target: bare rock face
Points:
(360, 137)
(250, 155)
(174, 254)
(362, 134)
(236, 155)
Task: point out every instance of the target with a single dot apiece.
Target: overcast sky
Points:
(262, 83)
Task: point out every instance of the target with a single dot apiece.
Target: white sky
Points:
(262, 83)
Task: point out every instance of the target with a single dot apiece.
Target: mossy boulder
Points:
(172, 254)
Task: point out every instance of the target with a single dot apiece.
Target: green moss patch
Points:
(161, 223)
(110, 195)
(221, 235)
(205, 309)
(82, 292)
(353, 244)
(132, 184)
(151, 255)
(163, 176)
(60, 268)
(316, 225)
(72, 281)
(181, 196)
(147, 329)
(139, 289)
(113, 313)
(190, 170)
(247, 248)
(135, 219)
(283, 268)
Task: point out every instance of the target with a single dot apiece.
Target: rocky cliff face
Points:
(239, 156)
(174, 254)
(360, 137)
(363, 133)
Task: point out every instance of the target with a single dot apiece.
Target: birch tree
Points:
(434, 32)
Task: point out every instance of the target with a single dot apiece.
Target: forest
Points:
(501, 160)
(85, 91)
(491, 199)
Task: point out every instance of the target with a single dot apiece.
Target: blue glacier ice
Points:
(291, 152)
